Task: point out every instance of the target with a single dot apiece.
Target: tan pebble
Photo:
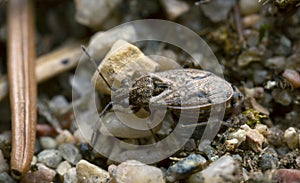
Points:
(251, 20)
(174, 8)
(291, 138)
(133, 171)
(231, 144)
(63, 168)
(87, 172)
(262, 129)
(292, 76)
(65, 137)
(253, 138)
(122, 61)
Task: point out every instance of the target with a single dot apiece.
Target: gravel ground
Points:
(257, 45)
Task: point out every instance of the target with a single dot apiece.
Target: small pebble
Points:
(240, 135)
(248, 7)
(42, 174)
(224, 169)
(184, 168)
(275, 62)
(48, 142)
(5, 143)
(253, 138)
(282, 97)
(62, 168)
(262, 129)
(292, 76)
(5, 178)
(217, 10)
(65, 137)
(50, 157)
(3, 164)
(87, 11)
(79, 138)
(286, 176)
(133, 171)
(70, 176)
(231, 144)
(70, 153)
(89, 173)
(268, 162)
(174, 8)
(291, 138)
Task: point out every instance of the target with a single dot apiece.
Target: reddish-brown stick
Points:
(22, 83)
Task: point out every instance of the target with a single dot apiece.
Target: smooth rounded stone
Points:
(217, 10)
(123, 61)
(186, 167)
(281, 97)
(5, 178)
(284, 47)
(262, 129)
(65, 137)
(174, 8)
(112, 126)
(253, 138)
(286, 176)
(42, 174)
(252, 37)
(59, 104)
(268, 162)
(79, 138)
(70, 153)
(246, 57)
(93, 13)
(48, 143)
(224, 169)
(292, 76)
(248, 7)
(275, 62)
(62, 168)
(259, 76)
(240, 135)
(4, 167)
(132, 171)
(89, 173)
(50, 157)
(5, 143)
(291, 138)
(251, 20)
(70, 176)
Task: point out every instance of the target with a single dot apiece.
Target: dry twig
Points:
(21, 57)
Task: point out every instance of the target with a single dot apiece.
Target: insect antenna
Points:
(93, 61)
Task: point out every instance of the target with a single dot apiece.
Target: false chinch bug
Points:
(176, 90)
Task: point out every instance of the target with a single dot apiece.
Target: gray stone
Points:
(133, 171)
(5, 178)
(70, 153)
(48, 143)
(184, 168)
(281, 97)
(42, 174)
(3, 164)
(217, 10)
(70, 176)
(225, 168)
(50, 157)
(93, 13)
(5, 143)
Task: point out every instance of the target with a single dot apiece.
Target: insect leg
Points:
(96, 127)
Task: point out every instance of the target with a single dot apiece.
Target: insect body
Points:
(183, 89)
